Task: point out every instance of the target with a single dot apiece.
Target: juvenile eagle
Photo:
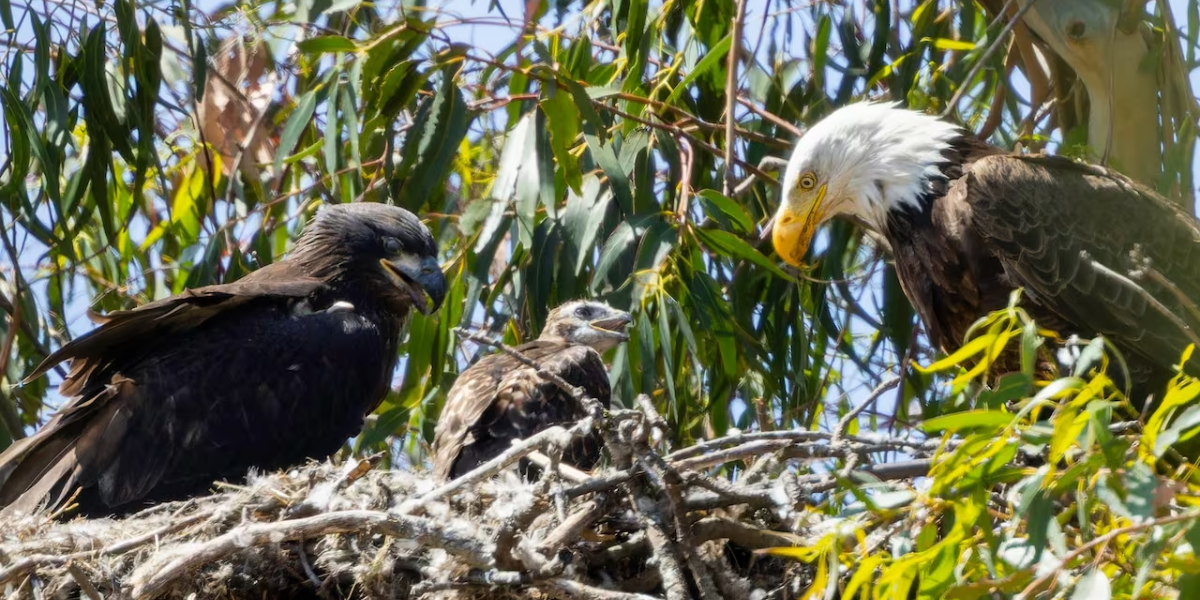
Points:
(266, 372)
(498, 399)
(968, 223)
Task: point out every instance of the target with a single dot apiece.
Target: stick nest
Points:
(652, 523)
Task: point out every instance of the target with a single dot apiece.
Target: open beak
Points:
(793, 229)
(420, 278)
(614, 325)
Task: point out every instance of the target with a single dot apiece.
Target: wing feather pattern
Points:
(1093, 247)
(499, 400)
(85, 440)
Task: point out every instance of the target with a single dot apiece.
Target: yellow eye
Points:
(807, 181)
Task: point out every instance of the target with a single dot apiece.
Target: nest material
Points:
(307, 533)
(651, 524)
(659, 527)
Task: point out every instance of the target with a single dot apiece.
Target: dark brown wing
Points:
(1065, 232)
(499, 400)
(949, 281)
(177, 313)
(85, 432)
(472, 393)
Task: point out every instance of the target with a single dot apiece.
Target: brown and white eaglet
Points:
(499, 399)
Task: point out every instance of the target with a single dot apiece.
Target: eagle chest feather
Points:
(500, 400)
(941, 262)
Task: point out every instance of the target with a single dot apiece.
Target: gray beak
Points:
(422, 279)
(614, 324)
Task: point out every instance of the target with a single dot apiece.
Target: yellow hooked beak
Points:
(794, 229)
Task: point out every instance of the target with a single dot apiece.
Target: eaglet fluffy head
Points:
(587, 323)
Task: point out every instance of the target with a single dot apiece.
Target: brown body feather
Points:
(499, 400)
(265, 372)
(1066, 232)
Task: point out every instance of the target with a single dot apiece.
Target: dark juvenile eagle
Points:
(968, 223)
(499, 399)
(266, 372)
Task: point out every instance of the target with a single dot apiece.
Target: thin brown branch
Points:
(29, 563)
(982, 61)
(85, 584)
(731, 87)
(667, 560)
(770, 116)
(1102, 540)
(742, 534)
(570, 529)
(676, 130)
(869, 401)
(575, 590)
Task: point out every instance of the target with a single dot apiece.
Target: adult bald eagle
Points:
(967, 222)
(266, 372)
(498, 399)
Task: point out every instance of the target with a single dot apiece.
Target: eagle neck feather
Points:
(916, 207)
(322, 255)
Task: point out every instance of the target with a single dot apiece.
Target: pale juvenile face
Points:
(588, 323)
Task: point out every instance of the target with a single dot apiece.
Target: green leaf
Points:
(820, 53)
(635, 48)
(200, 62)
(97, 97)
(327, 43)
(295, 125)
(948, 44)
(41, 57)
(717, 55)
(389, 94)
(959, 357)
(633, 145)
(897, 317)
(337, 6)
(582, 218)
(21, 139)
(732, 246)
(388, 422)
(563, 119)
(1141, 486)
(6, 16)
(188, 206)
(971, 419)
(1011, 387)
(659, 240)
(682, 321)
(601, 151)
(716, 202)
(1182, 428)
(579, 58)
(517, 180)
(332, 142)
(617, 246)
(646, 346)
(432, 143)
(668, 354)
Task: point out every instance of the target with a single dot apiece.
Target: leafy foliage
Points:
(1058, 493)
(561, 150)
